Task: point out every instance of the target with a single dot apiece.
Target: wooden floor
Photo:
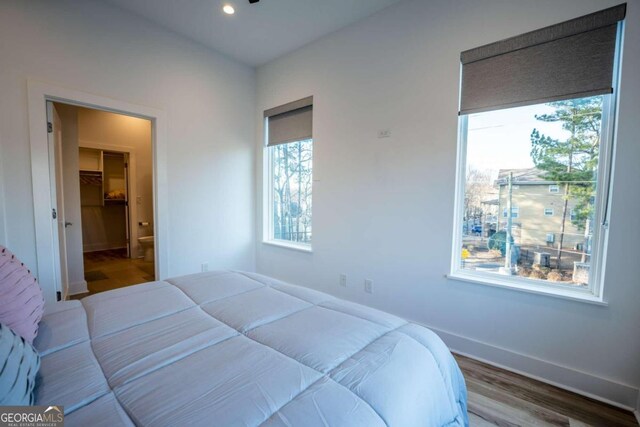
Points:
(501, 398)
(106, 270)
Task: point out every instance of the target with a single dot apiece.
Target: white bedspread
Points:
(239, 349)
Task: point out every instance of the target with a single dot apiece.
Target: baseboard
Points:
(605, 390)
(78, 287)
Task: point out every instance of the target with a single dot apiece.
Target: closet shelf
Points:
(91, 177)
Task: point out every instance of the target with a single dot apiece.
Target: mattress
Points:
(240, 349)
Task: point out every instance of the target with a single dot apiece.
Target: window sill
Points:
(289, 245)
(560, 292)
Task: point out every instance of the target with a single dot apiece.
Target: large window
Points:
(289, 175)
(511, 157)
(536, 137)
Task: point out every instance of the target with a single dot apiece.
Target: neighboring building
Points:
(537, 206)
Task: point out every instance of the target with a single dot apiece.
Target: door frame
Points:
(38, 93)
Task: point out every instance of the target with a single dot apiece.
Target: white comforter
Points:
(240, 349)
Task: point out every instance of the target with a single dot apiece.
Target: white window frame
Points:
(553, 188)
(267, 202)
(594, 292)
(550, 210)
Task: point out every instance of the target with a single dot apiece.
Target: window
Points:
(515, 212)
(289, 175)
(515, 144)
(524, 137)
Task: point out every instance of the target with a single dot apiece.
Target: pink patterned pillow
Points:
(21, 300)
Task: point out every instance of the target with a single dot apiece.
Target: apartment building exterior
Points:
(537, 210)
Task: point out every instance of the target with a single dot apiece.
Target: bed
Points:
(240, 349)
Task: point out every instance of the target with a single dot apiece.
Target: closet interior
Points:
(103, 200)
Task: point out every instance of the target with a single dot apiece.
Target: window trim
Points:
(302, 247)
(594, 292)
(541, 288)
(267, 201)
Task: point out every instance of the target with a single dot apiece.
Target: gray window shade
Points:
(290, 122)
(567, 60)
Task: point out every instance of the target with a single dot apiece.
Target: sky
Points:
(501, 139)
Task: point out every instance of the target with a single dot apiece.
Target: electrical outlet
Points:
(205, 266)
(343, 280)
(368, 286)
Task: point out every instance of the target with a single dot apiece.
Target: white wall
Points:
(207, 99)
(383, 207)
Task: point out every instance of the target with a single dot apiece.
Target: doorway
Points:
(47, 269)
(101, 163)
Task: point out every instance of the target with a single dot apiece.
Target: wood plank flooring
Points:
(107, 270)
(501, 398)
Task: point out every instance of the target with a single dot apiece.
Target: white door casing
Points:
(46, 248)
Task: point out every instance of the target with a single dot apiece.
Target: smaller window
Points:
(515, 212)
(573, 215)
(551, 237)
(554, 189)
(548, 211)
(289, 174)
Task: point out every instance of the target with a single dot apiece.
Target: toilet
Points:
(147, 244)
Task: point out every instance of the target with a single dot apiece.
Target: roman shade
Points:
(568, 60)
(290, 122)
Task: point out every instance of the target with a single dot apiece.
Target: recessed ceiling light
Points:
(228, 9)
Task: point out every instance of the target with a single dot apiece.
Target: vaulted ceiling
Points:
(256, 33)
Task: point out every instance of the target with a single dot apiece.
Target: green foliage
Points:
(572, 162)
(498, 241)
